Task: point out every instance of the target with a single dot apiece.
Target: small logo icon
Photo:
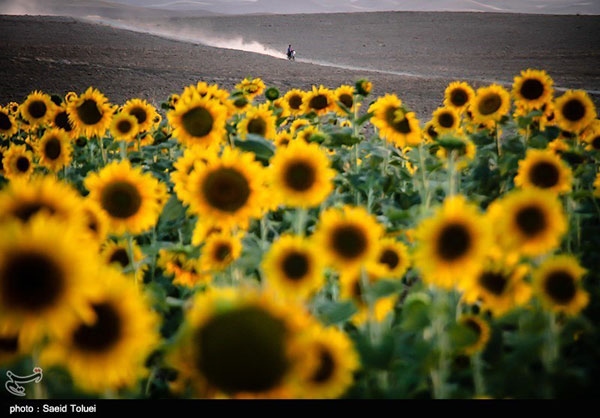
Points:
(12, 384)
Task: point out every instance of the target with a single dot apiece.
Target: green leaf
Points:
(336, 312)
(256, 144)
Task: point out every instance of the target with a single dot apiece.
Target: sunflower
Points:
(452, 245)
(117, 255)
(186, 271)
(90, 113)
(251, 88)
(204, 229)
(395, 124)
(363, 87)
(543, 169)
(393, 256)
(238, 104)
(124, 127)
(481, 331)
(345, 96)
(530, 221)
(228, 190)
(95, 221)
(219, 251)
(44, 271)
(280, 108)
(22, 199)
(532, 89)
(126, 195)
(429, 132)
(490, 104)
(301, 173)
(60, 119)
(445, 120)
(318, 100)
(352, 289)
(54, 149)
(37, 108)
(328, 363)
(258, 121)
(70, 96)
(348, 237)
(237, 344)
(293, 267)
(500, 287)
(109, 351)
(458, 95)
(8, 126)
(18, 162)
(558, 283)
(198, 121)
(144, 113)
(305, 134)
(283, 138)
(295, 101)
(574, 111)
(591, 136)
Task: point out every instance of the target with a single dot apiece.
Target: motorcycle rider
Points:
(290, 51)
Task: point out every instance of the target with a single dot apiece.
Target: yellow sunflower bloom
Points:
(109, 351)
(144, 113)
(452, 245)
(293, 268)
(117, 255)
(258, 121)
(543, 169)
(574, 111)
(344, 95)
(458, 95)
(90, 113)
(318, 100)
(8, 125)
(198, 121)
(445, 120)
(60, 120)
(348, 237)
(18, 162)
(54, 150)
(184, 167)
(532, 89)
(397, 126)
(301, 174)
(251, 87)
(481, 329)
(393, 256)
(558, 283)
(219, 251)
(126, 195)
(124, 127)
(37, 108)
(295, 100)
(490, 104)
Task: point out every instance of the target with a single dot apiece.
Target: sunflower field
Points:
(312, 244)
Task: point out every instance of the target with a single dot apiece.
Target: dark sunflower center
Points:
(346, 100)
(31, 281)
(493, 282)
(446, 120)
(103, 334)
(390, 258)
(454, 242)
(531, 220)
(243, 351)
(52, 148)
(197, 122)
(349, 241)
(37, 109)
(573, 110)
(222, 251)
(300, 176)
(490, 104)
(121, 199)
(295, 265)
(544, 174)
(326, 367)
(560, 286)
(5, 123)
(318, 102)
(61, 120)
(240, 102)
(432, 132)
(257, 126)
(596, 143)
(89, 113)
(124, 126)
(459, 97)
(532, 89)
(226, 189)
(401, 126)
(120, 256)
(295, 102)
(26, 210)
(9, 345)
(140, 114)
(23, 164)
(473, 326)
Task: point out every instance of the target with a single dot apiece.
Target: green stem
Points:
(131, 258)
(452, 173)
(102, 152)
(440, 374)
(478, 379)
(425, 183)
(300, 221)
